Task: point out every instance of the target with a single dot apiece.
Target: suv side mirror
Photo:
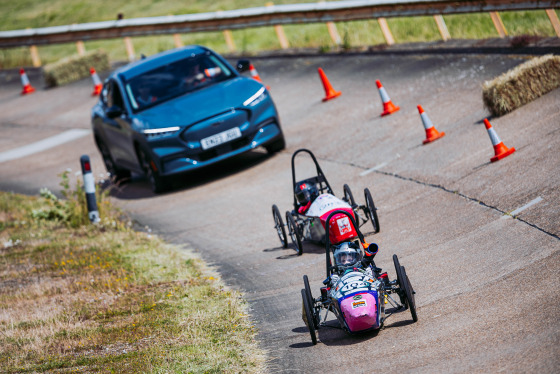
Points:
(114, 111)
(242, 65)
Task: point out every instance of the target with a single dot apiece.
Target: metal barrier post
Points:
(35, 59)
(498, 24)
(177, 40)
(129, 48)
(228, 36)
(89, 188)
(554, 21)
(442, 27)
(386, 31)
(280, 32)
(81, 47)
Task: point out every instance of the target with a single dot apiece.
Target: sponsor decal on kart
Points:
(344, 225)
(358, 304)
(351, 283)
(324, 204)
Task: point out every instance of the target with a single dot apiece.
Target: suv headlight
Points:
(156, 133)
(256, 98)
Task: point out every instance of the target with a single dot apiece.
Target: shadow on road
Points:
(139, 188)
(333, 335)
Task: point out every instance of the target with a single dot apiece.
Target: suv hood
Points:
(196, 106)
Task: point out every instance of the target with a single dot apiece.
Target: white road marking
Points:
(519, 210)
(366, 172)
(43, 145)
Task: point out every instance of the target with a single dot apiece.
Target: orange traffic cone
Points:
(431, 132)
(255, 75)
(27, 87)
(388, 106)
(500, 149)
(97, 85)
(330, 93)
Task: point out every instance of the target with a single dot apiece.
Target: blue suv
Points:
(181, 110)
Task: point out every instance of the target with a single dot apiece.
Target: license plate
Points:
(220, 138)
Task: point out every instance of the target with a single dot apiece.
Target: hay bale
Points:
(74, 68)
(521, 85)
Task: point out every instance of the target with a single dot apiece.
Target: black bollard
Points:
(89, 188)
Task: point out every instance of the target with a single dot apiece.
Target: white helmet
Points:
(347, 255)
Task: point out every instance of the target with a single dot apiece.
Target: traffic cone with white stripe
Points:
(255, 75)
(330, 92)
(431, 132)
(388, 106)
(500, 149)
(27, 87)
(97, 85)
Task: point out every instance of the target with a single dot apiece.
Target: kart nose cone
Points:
(360, 312)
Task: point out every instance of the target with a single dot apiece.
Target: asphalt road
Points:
(487, 285)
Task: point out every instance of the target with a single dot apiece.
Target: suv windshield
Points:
(174, 79)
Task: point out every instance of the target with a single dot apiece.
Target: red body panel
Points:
(341, 228)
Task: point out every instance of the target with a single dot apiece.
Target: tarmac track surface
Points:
(487, 285)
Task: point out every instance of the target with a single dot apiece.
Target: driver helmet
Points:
(306, 192)
(347, 255)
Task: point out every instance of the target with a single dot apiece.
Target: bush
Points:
(74, 68)
(521, 85)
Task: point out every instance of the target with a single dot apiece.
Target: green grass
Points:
(105, 298)
(35, 13)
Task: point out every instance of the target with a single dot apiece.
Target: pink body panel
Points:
(360, 314)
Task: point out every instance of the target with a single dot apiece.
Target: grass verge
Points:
(522, 84)
(105, 298)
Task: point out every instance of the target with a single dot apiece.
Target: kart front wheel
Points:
(309, 296)
(400, 281)
(309, 318)
(279, 226)
(294, 233)
(371, 210)
(409, 292)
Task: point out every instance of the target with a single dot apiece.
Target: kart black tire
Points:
(310, 299)
(409, 294)
(349, 198)
(157, 182)
(309, 316)
(371, 210)
(294, 233)
(117, 173)
(400, 281)
(279, 226)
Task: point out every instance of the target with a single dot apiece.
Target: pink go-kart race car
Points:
(355, 290)
(314, 200)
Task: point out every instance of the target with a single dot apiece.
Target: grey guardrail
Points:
(336, 11)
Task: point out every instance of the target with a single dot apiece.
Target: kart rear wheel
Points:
(349, 198)
(400, 281)
(279, 226)
(309, 317)
(371, 210)
(309, 296)
(409, 295)
(293, 229)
